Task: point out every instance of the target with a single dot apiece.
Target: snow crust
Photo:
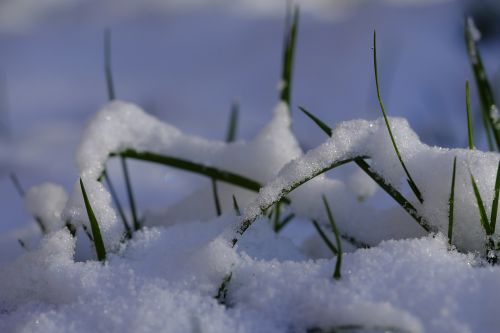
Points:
(167, 276)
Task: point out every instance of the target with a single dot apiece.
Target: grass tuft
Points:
(94, 225)
(412, 184)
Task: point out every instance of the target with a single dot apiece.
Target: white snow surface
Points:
(165, 278)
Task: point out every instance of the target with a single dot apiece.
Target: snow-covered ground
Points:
(183, 63)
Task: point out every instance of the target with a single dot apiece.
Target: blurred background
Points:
(186, 61)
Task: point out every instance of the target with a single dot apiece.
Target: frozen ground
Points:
(185, 66)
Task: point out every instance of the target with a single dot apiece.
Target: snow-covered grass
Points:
(227, 259)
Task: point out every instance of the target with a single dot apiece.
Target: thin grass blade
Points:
(130, 194)
(412, 184)
(325, 238)
(233, 122)
(211, 172)
(236, 206)
(338, 264)
(94, 225)
(327, 129)
(288, 57)
(17, 184)
(494, 205)
(107, 65)
(491, 119)
(480, 204)
(285, 221)
(451, 202)
(215, 193)
(470, 129)
(221, 296)
(118, 205)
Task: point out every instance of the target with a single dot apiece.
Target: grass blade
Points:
(490, 118)
(221, 296)
(130, 194)
(288, 56)
(325, 238)
(285, 221)
(107, 65)
(111, 96)
(236, 207)
(470, 129)
(277, 216)
(118, 205)
(217, 174)
(218, 210)
(412, 184)
(94, 225)
(338, 264)
(451, 202)
(327, 129)
(494, 205)
(482, 210)
(233, 122)
(17, 184)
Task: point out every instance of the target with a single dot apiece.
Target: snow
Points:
(166, 277)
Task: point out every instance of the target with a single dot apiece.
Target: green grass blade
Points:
(480, 204)
(327, 129)
(395, 194)
(288, 57)
(211, 172)
(233, 122)
(338, 264)
(236, 206)
(118, 205)
(17, 184)
(215, 193)
(451, 202)
(94, 225)
(221, 296)
(494, 205)
(71, 228)
(107, 65)
(470, 129)
(276, 216)
(486, 98)
(325, 238)
(130, 194)
(355, 242)
(285, 221)
(111, 96)
(22, 243)
(412, 184)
